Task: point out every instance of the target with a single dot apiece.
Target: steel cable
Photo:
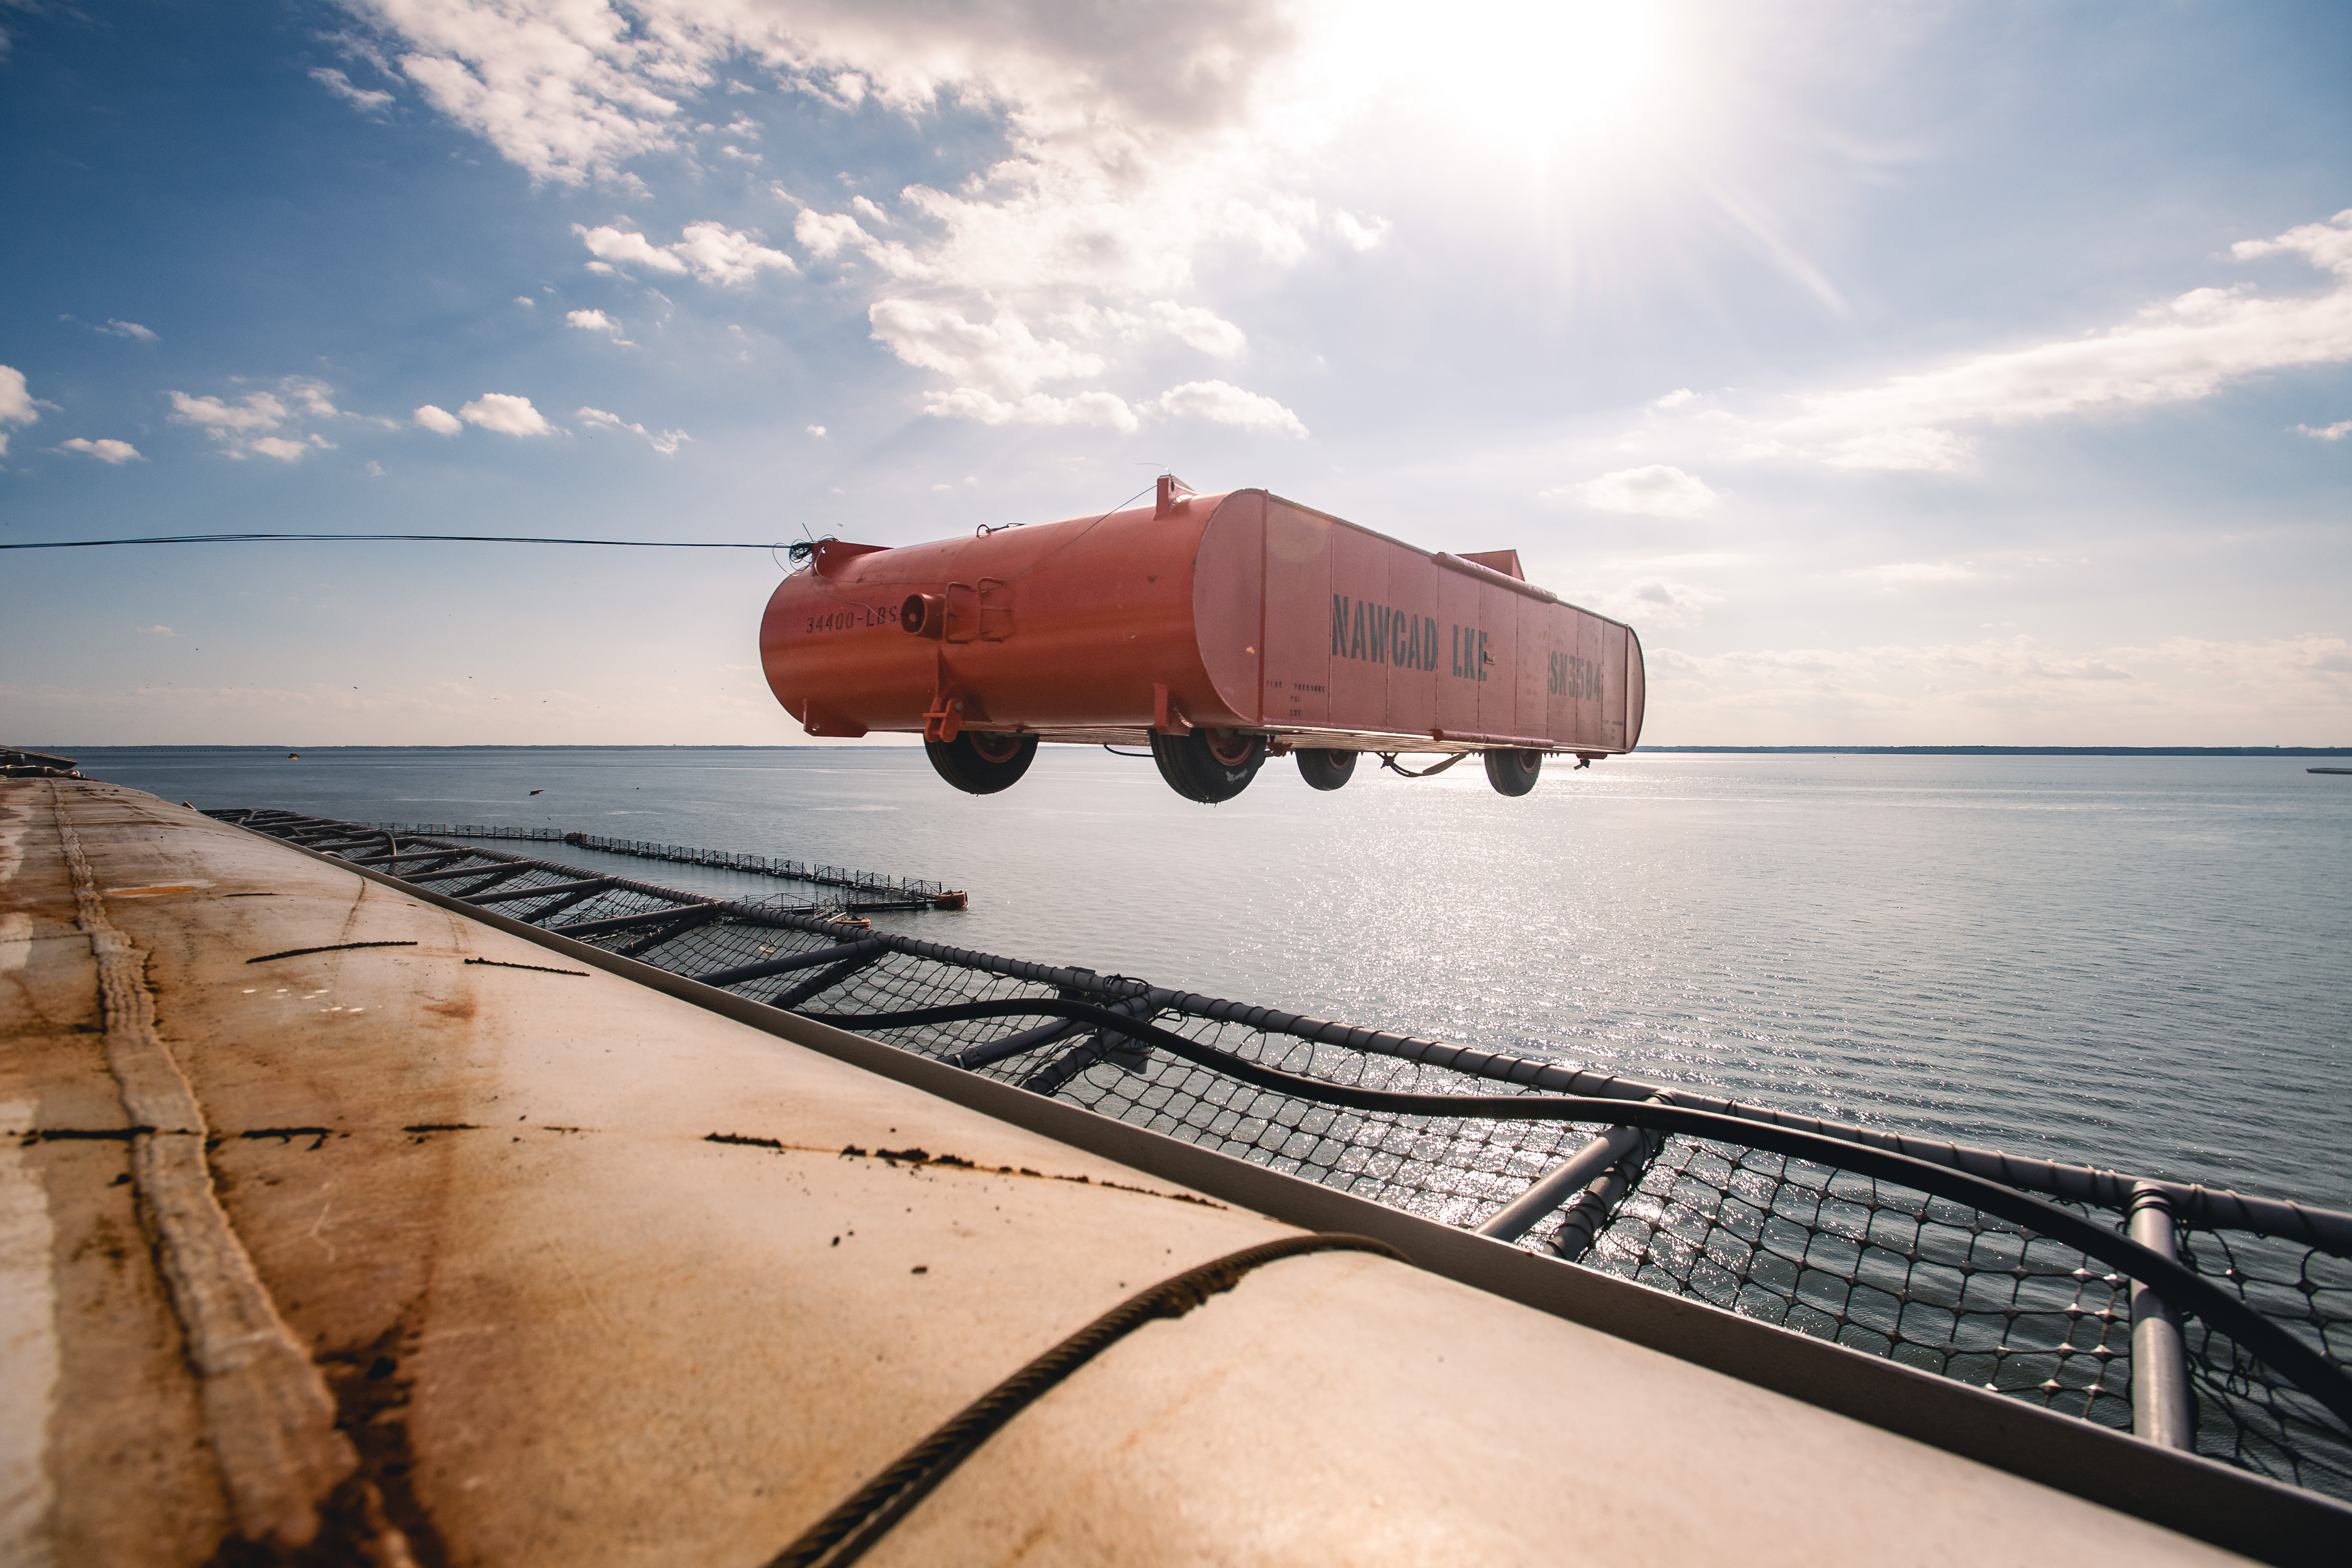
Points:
(372, 539)
(844, 1535)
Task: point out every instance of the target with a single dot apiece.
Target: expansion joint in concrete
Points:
(267, 1413)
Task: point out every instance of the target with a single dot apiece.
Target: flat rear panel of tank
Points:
(1362, 634)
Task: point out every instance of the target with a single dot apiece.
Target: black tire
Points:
(981, 764)
(1325, 769)
(1513, 772)
(1209, 765)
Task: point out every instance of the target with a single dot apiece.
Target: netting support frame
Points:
(2164, 1412)
(1571, 1178)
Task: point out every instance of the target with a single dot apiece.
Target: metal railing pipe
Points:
(698, 913)
(1563, 1182)
(544, 890)
(791, 962)
(1589, 1212)
(2162, 1409)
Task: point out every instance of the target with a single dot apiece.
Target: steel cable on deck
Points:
(844, 1535)
(2187, 1290)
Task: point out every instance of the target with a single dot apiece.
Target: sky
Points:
(1903, 374)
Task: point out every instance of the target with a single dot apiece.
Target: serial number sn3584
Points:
(852, 618)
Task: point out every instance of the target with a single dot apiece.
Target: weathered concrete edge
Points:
(2197, 1497)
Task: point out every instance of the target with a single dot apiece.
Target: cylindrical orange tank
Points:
(1230, 622)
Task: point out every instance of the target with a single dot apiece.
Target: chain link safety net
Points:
(1930, 1282)
(2245, 1415)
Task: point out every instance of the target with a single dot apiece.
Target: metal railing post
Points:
(1561, 1182)
(2162, 1410)
(1589, 1212)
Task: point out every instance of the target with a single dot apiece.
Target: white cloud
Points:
(710, 251)
(597, 321)
(113, 453)
(156, 632)
(2327, 245)
(1202, 329)
(817, 431)
(440, 421)
(728, 257)
(1901, 572)
(1674, 399)
(1037, 409)
(575, 91)
(133, 330)
(254, 412)
(526, 301)
(373, 471)
(367, 101)
(564, 92)
(1656, 490)
(1649, 604)
(506, 414)
(1003, 355)
(2336, 432)
(1359, 234)
(665, 442)
(17, 401)
(1923, 451)
(825, 234)
(1226, 404)
(625, 245)
(2188, 348)
(1134, 140)
(311, 396)
(835, 235)
(253, 422)
(18, 404)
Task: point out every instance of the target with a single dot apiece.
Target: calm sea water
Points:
(2138, 963)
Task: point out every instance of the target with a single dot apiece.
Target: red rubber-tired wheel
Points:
(1513, 772)
(1325, 769)
(1209, 765)
(979, 762)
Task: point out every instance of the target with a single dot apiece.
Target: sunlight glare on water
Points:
(2138, 963)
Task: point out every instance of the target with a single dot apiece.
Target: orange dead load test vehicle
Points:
(1218, 628)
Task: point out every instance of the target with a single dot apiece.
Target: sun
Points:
(1534, 79)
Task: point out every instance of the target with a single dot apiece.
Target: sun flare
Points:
(1507, 73)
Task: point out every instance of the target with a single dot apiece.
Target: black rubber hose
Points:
(2185, 1289)
(1389, 761)
(843, 1536)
